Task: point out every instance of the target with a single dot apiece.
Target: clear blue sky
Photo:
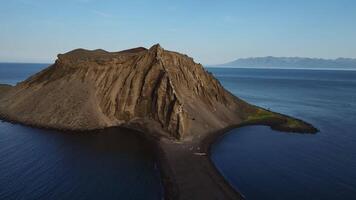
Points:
(211, 31)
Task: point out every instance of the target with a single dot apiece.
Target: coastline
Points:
(188, 173)
(199, 154)
(169, 154)
(184, 181)
(186, 168)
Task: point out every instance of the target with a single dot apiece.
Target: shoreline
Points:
(185, 167)
(198, 153)
(163, 150)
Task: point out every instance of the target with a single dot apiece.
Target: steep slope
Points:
(155, 90)
(4, 88)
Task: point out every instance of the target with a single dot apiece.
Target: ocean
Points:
(265, 164)
(41, 164)
(257, 161)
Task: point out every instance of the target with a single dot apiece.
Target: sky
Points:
(210, 31)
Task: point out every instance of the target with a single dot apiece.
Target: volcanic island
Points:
(178, 106)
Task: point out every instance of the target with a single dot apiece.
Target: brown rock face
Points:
(154, 90)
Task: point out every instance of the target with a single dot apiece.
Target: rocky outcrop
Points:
(154, 90)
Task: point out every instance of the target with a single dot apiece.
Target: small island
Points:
(174, 102)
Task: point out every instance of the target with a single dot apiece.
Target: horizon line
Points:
(216, 64)
(232, 67)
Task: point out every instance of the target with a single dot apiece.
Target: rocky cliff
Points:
(154, 90)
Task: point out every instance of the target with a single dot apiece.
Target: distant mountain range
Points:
(293, 62)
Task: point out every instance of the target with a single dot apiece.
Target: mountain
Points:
(170, 99)
(154, 90)
(293, 62)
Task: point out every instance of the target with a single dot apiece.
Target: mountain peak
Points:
(156, 46)
(157, 49)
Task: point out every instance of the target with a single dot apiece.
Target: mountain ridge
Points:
(292, 62)
(86, 89)
(158, 91)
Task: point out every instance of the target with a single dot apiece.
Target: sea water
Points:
(266, 164)
(36, 164)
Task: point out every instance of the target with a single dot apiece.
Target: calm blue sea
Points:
(259, 162)
(266, 164)
(41, 164)
(12, 73)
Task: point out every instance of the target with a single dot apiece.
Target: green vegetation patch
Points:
(266, 117)
(261, 115)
